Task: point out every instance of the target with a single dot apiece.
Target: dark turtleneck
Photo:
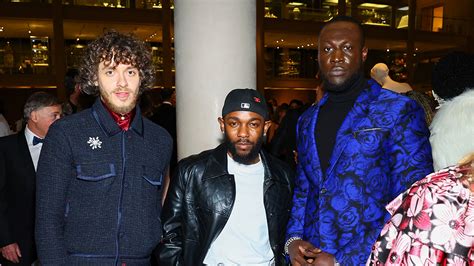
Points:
(330, 117)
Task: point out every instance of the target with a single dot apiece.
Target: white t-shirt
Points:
(244, 239)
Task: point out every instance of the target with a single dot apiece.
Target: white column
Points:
(215, 52)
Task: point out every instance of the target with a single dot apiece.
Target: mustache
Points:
(122, 89)
(243, 141)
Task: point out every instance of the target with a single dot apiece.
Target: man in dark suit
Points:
(19, 155)
(165, 116)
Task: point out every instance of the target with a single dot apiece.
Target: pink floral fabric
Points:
(432, 224)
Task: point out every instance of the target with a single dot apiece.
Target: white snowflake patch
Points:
(94, 143)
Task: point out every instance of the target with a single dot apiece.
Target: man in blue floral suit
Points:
(358, 148)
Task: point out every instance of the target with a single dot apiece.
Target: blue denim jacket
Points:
(99, 190)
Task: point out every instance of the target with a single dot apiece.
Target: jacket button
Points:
(271, 214)
(126, 184)
(324, 190)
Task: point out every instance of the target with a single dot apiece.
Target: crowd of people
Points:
(349, 180)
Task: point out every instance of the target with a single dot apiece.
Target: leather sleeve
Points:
(171, 247)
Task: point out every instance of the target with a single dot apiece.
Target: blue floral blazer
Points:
(381, 148)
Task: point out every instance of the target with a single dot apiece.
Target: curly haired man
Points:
(100, 176)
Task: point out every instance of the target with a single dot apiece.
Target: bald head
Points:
(379, 72)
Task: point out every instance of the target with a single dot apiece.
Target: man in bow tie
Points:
(19, 155)
(102, 170)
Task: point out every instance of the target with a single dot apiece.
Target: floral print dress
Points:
(432, 224)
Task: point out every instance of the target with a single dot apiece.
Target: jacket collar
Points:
(107, 123)
(24, 151)
(217, 163)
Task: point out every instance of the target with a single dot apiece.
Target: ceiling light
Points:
(372, 5)
(295, 4)
(1, 29)
(403, 8)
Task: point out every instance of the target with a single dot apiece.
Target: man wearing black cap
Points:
(229, 205)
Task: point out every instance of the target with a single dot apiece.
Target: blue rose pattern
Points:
(382, 148)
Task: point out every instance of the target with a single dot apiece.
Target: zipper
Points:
(119, 212)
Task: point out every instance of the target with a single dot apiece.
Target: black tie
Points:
(37, 140)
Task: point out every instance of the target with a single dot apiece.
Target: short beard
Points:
(328, 86)
(245, 159)
(120, 109)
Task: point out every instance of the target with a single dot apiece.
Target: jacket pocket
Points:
(152, 175)
(95, 172)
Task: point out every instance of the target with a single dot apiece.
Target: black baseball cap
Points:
(245, 100)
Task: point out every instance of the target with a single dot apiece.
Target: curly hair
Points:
(121, 49)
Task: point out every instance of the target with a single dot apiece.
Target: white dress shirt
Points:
(35, 150)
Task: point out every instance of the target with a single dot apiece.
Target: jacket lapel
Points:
(24, 153)
(307, 151)
(357, 114)
(217, 163)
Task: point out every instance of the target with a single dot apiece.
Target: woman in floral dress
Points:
(432, 223)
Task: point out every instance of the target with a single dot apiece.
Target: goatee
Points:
(120, 109)
(328, 86)
(250, 157)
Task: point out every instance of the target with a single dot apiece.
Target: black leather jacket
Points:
(200, 199)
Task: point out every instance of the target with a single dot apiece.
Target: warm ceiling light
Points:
(372, 5)
(295, 4)
(1, 29)
(77, 39)
(29, 31)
